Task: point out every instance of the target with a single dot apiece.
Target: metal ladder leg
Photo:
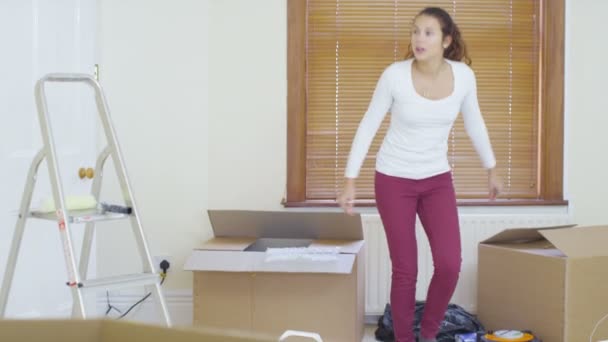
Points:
(127, 192)
(58, 196)
(87, 241)
(19, 230)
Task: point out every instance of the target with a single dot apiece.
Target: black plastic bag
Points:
(456, 321)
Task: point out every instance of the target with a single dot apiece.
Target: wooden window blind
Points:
(347, 45)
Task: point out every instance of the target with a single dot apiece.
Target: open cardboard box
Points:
(112, 331)
(236, 286)
(552, 281)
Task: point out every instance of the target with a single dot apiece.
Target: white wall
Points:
(586, 111)
(154, 68)
(207, 129)
(247, 103)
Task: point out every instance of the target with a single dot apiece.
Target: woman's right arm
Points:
(379, 105)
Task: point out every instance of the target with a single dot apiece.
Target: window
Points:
(338, 49)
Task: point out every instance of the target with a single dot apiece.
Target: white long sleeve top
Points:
(416, 143)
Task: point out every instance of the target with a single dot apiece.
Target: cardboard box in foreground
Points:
(237, 287)
(553, 281)
(111, 331)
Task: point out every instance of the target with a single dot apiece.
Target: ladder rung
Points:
(81, 216)
(130, 280)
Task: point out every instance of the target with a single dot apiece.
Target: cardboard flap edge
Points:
(522, 234)
(584, 241)
(236, 261)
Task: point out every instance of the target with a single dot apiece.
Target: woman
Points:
(424, 94)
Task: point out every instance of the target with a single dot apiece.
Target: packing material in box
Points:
(552, 281)
(268, 272)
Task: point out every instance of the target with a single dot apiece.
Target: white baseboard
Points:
(179, 303)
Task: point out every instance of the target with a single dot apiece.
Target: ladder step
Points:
(122, 281)
(81, 216)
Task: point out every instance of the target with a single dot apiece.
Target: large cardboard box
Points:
(236, 286)
(111, 331)
(553, 281)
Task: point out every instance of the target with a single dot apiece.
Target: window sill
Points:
(461, 203)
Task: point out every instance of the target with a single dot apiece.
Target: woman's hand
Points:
(494, 184)
(346, 198)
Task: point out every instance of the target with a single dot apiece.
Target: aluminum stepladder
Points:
(77, 274)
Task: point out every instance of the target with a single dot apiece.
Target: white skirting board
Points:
(179, 303)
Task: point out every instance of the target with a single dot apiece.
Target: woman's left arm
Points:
(478, 133)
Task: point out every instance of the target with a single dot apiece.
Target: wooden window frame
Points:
(551, 109)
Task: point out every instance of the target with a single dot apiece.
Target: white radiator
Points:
(474, 228)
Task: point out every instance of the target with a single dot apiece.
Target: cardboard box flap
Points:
(235, 261)
(227, 244)
(520, 235)
(579, 242)
(286, 224)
